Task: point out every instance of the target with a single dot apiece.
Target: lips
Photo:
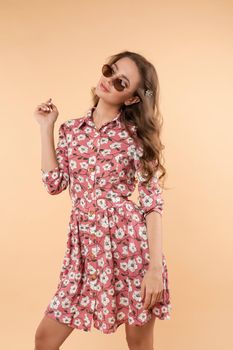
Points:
(104, 87)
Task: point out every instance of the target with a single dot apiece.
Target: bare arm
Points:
(152, 202)
(154, 232)
(48, 155)
(54, 161)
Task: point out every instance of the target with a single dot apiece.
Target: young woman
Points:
(114, 270)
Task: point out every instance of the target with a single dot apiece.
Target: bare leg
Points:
(50, 334)
(140, 337)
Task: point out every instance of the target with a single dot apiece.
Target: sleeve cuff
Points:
(54, 173)
(154, 209)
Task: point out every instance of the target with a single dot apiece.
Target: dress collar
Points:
(88, 117)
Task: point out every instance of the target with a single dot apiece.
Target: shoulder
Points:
(71, 123)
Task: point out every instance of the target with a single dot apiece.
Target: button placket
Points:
(92, 216)
(92, 213)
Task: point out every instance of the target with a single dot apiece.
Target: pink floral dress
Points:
(107, 251)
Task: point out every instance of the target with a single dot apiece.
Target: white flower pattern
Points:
(107, 251)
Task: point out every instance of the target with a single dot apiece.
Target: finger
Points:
(153, 301)
(44, 107)
(159, 296)
(142, 292)
(162, 295)
(49, 106)
(147, 300)
(41, 108)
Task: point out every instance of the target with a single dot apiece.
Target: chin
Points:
(99, 90)
(100, 93)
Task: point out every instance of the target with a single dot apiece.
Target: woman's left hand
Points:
(152, 287)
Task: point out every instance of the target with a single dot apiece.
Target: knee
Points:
(42, 340)
(134, 341)
(138, 339)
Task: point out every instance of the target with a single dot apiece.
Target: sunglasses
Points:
(118, 83)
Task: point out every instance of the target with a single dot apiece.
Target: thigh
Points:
(51, 333)
(141, 335)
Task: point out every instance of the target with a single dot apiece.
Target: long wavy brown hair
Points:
(145, 115)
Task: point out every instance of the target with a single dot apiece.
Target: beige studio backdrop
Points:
(56, 49)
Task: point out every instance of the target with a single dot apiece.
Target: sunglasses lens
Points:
(107, 70)
(117, 84)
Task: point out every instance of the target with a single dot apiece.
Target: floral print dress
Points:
(107, 251)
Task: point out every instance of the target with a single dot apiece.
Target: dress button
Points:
(91, 169)
(91, 256)
(93, 276)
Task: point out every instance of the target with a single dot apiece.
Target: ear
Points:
(132, 100)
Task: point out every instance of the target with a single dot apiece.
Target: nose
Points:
(111, 78)
(108, 82)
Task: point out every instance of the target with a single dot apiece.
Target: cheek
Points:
(119, 97)
(116, 97)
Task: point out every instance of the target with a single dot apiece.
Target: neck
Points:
(105, 112)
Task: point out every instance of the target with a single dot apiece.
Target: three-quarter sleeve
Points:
(56, 180)
(150, 194)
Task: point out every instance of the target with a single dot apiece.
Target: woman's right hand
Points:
(46, 113)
